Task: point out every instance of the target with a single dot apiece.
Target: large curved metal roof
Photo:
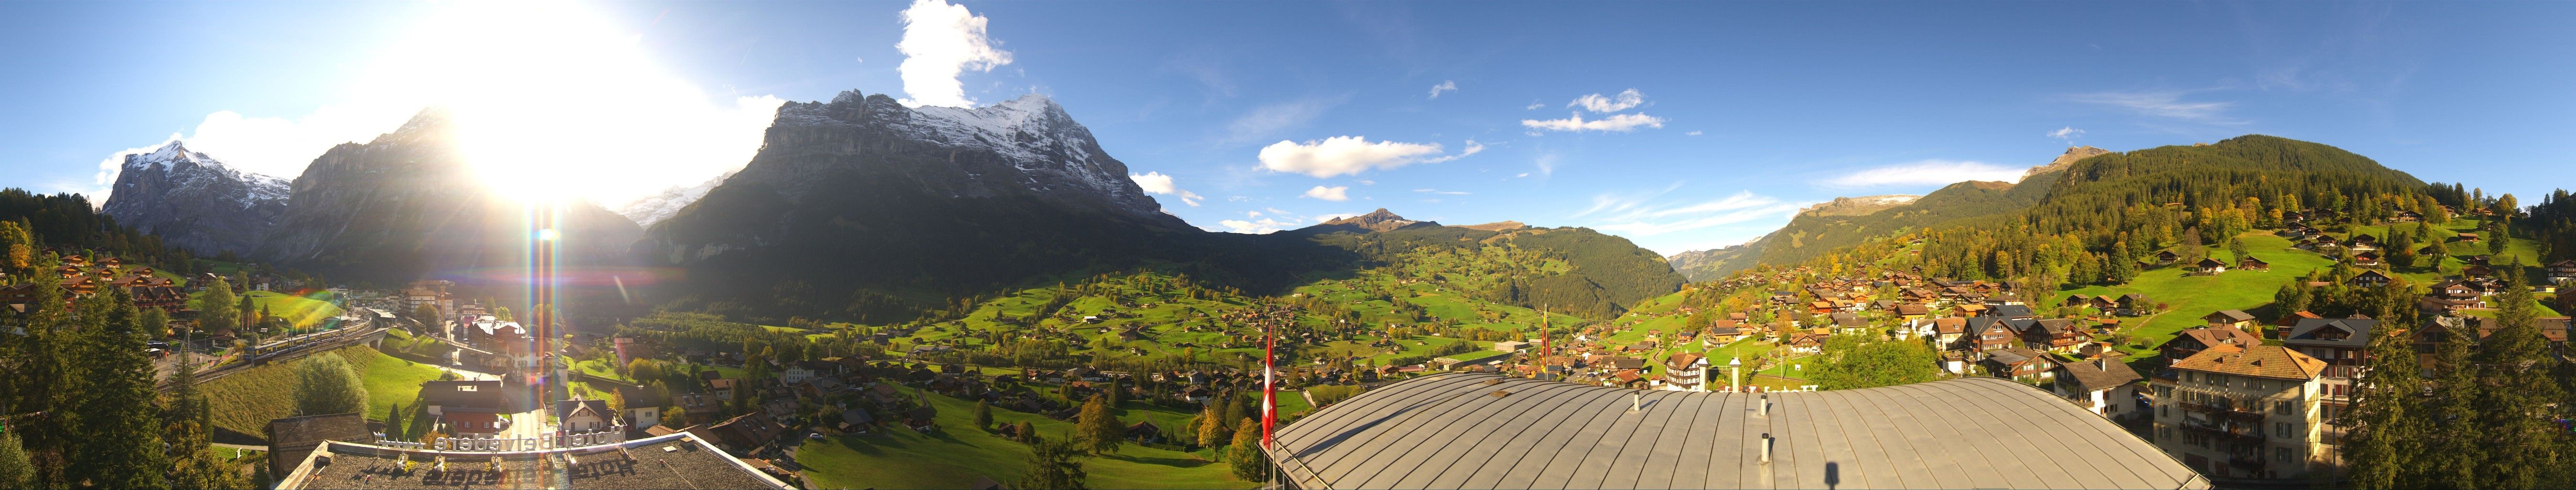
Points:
(1462, 430)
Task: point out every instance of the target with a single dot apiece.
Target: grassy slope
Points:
(244, 402)
(2192, 297)
(959, 453)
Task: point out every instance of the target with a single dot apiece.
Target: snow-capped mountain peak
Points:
(195, 201)
(660, 206)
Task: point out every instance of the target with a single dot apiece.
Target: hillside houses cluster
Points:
(82, 278)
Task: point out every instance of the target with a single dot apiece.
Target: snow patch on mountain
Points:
(660, 206)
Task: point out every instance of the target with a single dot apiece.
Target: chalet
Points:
(585, 416)
(2166, 257)
(2054, 335)
(2562, 271)
(643, 405)
(2016, 312)
(2209, 266)
(2230, 318)
(2466, 237)
(1848, 320)
(2458, 289)
(2337, 341)
(2134, 304)
(2367, 259)
(1687, 371)
(1804, 343)
(2407, 217)
(2020, 365)
(2438, 306)
(742, 434)
(2192, 341)
(2250, 263)
(2103, 386)
(1992, 334)
(2369, 278)
(2477, 272)
(2362, 240)
(1947, 332)
(1912, 311)
(1144, 432)
(443, 398)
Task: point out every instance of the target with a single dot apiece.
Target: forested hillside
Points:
(1572, 270)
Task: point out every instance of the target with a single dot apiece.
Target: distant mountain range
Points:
(858, 208)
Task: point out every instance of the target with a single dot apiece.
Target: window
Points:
(2281, 454)
(2281, 407)
(2280, 430)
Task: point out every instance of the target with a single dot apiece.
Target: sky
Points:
(1680, 126)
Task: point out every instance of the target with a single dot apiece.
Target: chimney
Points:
(1766, 448)
(1766, 409)
(1636, 402)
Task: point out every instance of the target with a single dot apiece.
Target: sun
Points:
(555, 101)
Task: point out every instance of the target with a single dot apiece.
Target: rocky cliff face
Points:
(2063, 160)
(405, 206)
(1856, 206)
(1379, 220)
(195, 202)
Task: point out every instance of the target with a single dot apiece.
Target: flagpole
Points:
(1269, 381)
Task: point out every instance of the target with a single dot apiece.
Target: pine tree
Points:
(1098, 429)
(1250, 464)
(16, 470)
(2386, 427)
(2516, 408)
(1052, 464)
(118, 419)
(395, 424)
(2452, 459)
(983, 415)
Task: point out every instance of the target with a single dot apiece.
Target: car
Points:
(814, 435)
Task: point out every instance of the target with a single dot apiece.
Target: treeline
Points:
(67, 223)
(80, 406)
(2489, 415)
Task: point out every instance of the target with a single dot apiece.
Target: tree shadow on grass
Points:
(1172, 462)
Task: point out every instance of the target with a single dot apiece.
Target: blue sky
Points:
(1741, 112)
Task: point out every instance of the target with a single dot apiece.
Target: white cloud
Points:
(1351, 155)
(939, 41)
(634, 130)
(1534, 105)
(1546, 163)
(1617, 102)
(1693, 132)
(1927, 172)
(1335, 193)
(2163, 103)
(2066, 133)
(1157, 183)
(1523, 174)
(1635, 215)
(1442, 192)
(1447, 85)
(1265, 225)
(1252, 214)
(1332, 216)
(1620, 122)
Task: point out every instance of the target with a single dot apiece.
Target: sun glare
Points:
(553, 101)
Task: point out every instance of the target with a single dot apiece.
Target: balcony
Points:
(2251, 463)
(2232, 413)
(2243, 433)
(2342, 371)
